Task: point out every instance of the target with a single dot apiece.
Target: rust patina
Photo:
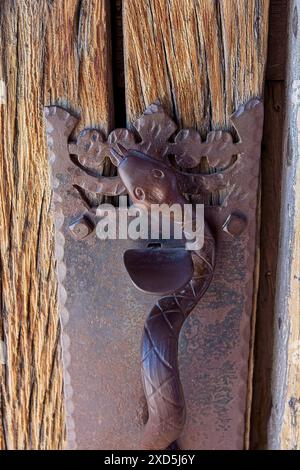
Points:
(199, 400)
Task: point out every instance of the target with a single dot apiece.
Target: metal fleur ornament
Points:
(178, 278)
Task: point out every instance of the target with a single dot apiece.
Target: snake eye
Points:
(139, 193)
(158, 173)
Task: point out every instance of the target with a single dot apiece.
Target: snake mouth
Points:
(159, 271)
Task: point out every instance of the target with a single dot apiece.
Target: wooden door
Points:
(108, 60)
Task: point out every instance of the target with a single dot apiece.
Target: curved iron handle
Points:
(183, 279)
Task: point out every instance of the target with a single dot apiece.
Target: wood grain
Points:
(271, 167)
(283, 425)
(50, 52)
(201, 58)
(277, 50)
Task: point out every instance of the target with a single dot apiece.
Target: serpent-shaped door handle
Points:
(181, 277)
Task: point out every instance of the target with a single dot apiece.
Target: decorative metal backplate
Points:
(105, 317)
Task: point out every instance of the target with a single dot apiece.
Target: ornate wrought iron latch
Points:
(156, 164)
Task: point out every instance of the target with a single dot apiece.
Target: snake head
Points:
(150, 181)
(147, 180)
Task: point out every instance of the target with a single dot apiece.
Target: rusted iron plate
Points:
(104, 314)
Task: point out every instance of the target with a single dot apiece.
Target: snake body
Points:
(148, 182)
(160, 373)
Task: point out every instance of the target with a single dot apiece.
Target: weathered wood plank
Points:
(50, 52)
(283, 426)
(277, 50)
(201, 58)
(271, 166)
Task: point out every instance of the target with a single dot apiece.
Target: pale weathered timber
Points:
(271, 169)
(271, 166)
(51, 52)
(200, 58)
(283, 425)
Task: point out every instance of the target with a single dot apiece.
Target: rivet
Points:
(235, 225)
(81, 228)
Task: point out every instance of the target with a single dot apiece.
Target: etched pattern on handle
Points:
(162, 386)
